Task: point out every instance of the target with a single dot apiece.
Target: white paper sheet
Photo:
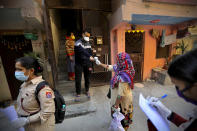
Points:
(158, 121)
(11, 114)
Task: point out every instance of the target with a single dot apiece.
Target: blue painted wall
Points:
(141, 19)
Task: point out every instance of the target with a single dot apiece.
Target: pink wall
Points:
(150, 60)
(117, 35)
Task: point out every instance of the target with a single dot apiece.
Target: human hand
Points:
(91, 58)
(152, 99)
(71, 58)
(115, 108)
(97, 60)
(19, 122)
(163, 110)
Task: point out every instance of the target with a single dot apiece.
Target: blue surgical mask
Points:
(20, 76)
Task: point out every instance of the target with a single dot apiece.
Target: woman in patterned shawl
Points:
(121, 86)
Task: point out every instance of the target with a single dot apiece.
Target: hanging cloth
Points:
(162, 44)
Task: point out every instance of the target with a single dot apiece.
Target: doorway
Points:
(11, 48)
(71, 21)
(76, 20)
(134, 45)
(63, 22)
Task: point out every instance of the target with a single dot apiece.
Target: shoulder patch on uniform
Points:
(48, 95)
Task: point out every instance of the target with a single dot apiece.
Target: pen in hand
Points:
(154, 99)
(164, 96)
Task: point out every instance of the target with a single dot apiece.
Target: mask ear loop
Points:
(29, 73)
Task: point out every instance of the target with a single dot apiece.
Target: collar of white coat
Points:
(80, 43)
(36, 80)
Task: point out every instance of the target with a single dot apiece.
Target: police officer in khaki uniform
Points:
(33, 116)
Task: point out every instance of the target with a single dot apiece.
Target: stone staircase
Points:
(74, 106)
(62, 65)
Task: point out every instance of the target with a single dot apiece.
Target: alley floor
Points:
(100, 120)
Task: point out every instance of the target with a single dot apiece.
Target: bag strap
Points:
(39, 87)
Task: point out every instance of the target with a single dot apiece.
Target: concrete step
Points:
(62, 64)
(62, 73)
(75, 110)
(70, 97)
(63, 83)
(75, 106)
(62, 69)
(67, 89)
(62, 78)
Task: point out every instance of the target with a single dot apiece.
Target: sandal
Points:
(87, 94)
(77, 98)
(77, 95)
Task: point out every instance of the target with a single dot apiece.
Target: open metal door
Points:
(134, 45)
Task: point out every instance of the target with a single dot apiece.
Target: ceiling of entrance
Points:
(11, 19)
(141, 19)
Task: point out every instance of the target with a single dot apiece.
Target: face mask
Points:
(20, 76)
(86, 38)
(180, 93)
(73, 37)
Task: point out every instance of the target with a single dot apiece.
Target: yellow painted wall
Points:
(4, 88)
(188, 41)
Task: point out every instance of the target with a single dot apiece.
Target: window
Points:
(162, 52)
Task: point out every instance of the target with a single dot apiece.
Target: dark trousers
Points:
(78, 74)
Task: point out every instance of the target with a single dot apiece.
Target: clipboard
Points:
(155, 117)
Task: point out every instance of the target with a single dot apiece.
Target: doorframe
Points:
(143, 46)
(49, 39)
(8, 96)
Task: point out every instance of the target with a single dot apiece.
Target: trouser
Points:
(78, 74)
(71, 68)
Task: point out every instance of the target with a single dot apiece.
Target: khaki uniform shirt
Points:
(43, 115)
